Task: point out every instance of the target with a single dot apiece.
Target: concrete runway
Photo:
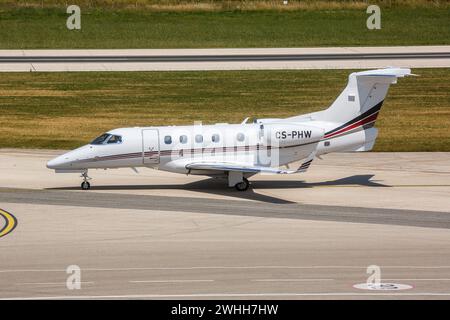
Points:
(223, 59)
(160, 235)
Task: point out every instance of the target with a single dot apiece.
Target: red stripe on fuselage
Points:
(361, 122)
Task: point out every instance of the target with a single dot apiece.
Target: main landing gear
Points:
(236, 179)
(242, 186)
(85, 185)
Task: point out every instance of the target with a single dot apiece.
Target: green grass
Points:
(32, 28)
(65, 110)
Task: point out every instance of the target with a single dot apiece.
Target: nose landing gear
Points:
(85, 185)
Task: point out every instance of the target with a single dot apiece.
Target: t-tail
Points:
(351, 118)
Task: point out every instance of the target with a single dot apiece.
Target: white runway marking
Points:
(289, 280)
(412, 279)
(48, 283)
(230, 295)
(169, 281)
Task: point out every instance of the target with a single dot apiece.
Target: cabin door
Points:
(150, 146)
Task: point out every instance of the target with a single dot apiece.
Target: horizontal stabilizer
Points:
(387, 72)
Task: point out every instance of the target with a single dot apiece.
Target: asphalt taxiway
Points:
(162, 235)
(223, 59)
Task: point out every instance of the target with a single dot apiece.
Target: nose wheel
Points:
(85, 185)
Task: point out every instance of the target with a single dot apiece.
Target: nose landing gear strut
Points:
(85, 185)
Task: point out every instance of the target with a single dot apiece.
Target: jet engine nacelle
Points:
(284, 135)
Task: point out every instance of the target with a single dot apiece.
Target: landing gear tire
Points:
(242, 186)
(85, 185)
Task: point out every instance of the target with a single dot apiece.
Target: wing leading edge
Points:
(231, 166)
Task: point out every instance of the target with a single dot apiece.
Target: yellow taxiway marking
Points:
(10, 225)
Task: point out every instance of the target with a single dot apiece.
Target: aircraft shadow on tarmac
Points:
(213, 186)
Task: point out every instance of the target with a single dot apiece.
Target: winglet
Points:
(305, 165)
(245, 120)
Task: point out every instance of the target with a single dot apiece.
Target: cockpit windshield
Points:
(101, 139)
(107, 138)
(115, 139)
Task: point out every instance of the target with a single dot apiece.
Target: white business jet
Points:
(239, 151)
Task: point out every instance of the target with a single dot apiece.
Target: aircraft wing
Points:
(231, 166)
(239, 167)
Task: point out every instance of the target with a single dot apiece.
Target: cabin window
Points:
(215, 138)
(199, 138)
(168, 139)
(101, 139)
(183, 139)
(115, 139)
(240, 137)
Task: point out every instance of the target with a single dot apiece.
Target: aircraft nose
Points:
(56, 163)
(67, 161)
